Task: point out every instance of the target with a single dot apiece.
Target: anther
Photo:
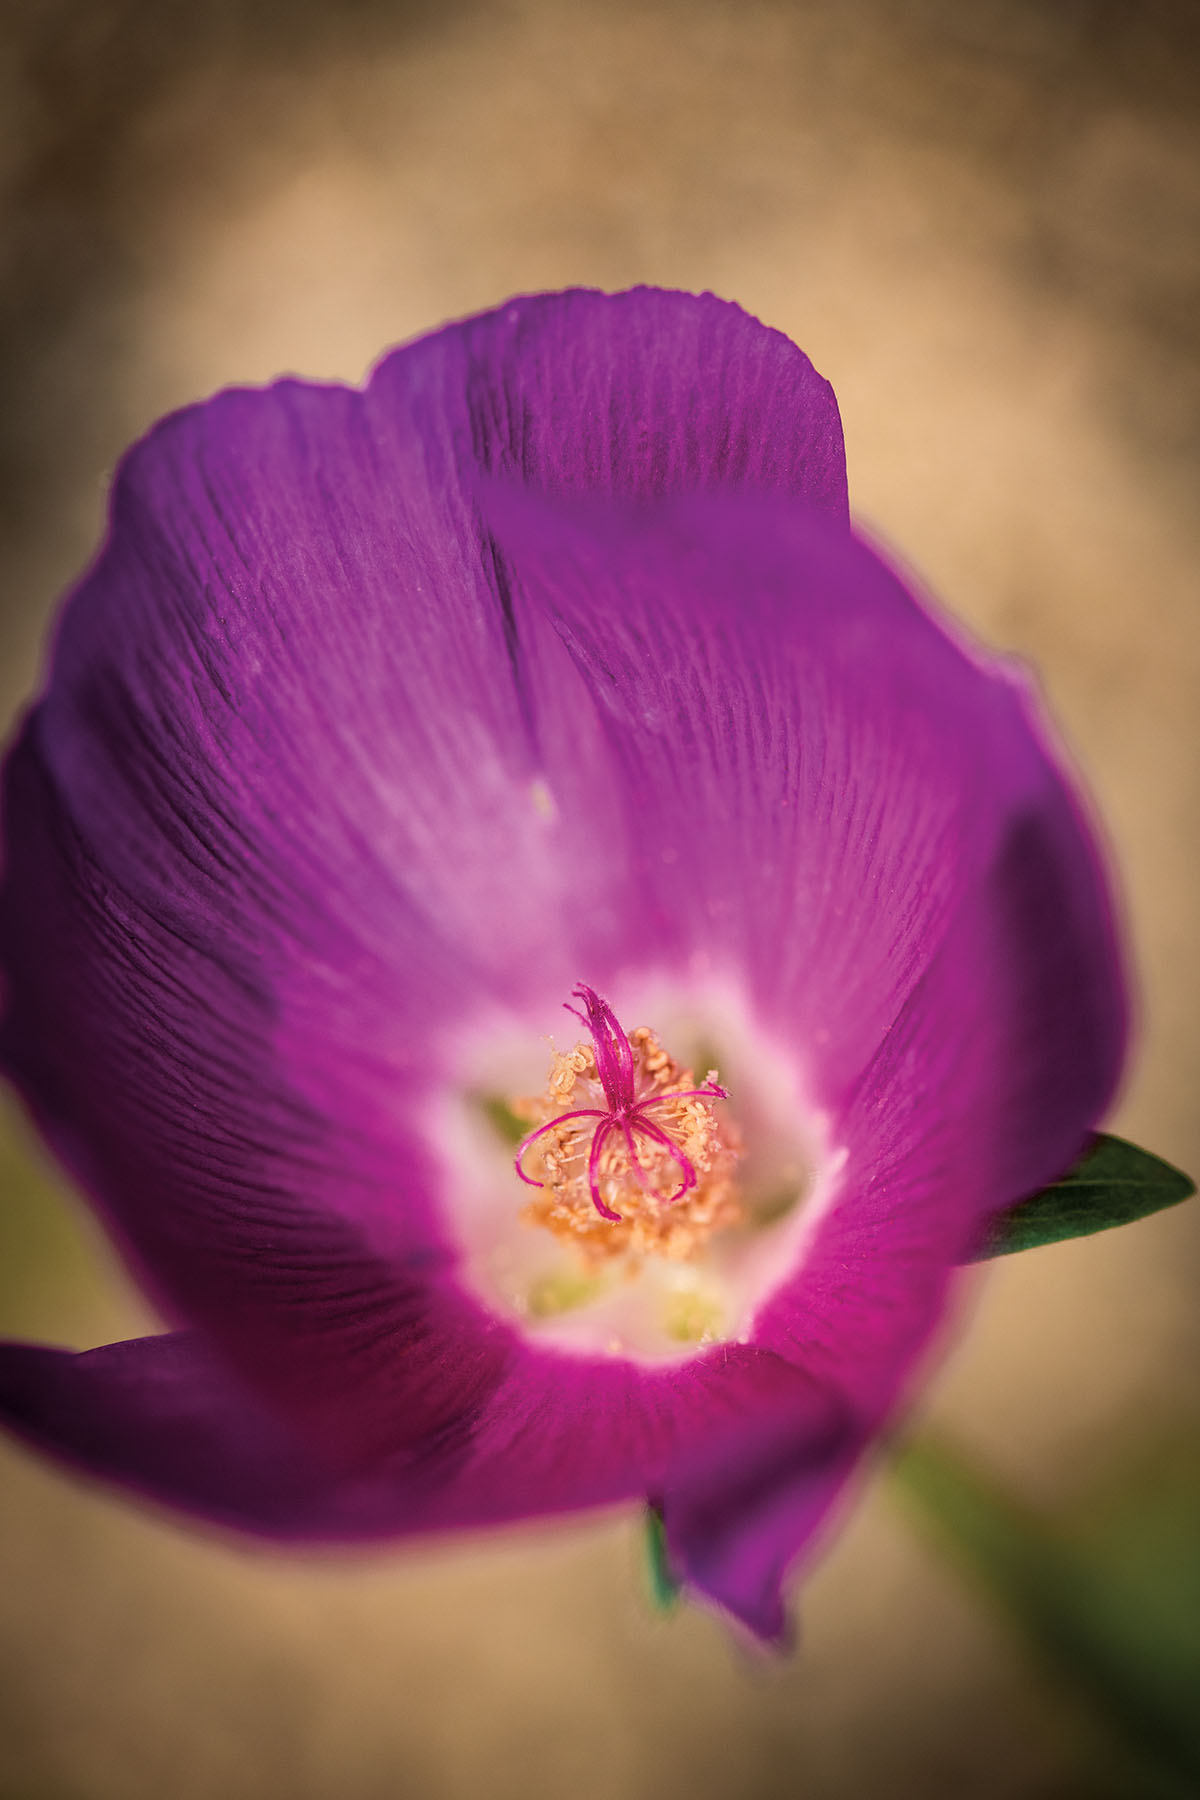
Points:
(648, 1134)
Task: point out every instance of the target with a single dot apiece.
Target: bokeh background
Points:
(983, 223)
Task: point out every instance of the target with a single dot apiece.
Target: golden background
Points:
(982, 221)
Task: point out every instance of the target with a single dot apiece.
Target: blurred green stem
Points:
(1134, 1663)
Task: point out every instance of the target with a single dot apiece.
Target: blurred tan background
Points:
(983, 222)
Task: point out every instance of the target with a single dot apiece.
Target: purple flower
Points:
(385, 722)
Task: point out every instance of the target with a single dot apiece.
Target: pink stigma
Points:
(616, 1066)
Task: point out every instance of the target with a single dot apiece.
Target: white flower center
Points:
(667, 1235)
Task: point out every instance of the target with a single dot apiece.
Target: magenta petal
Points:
(863, 820)
(801, 777)
(629, 397)
(161, 1416)
(272, 833)
(164, 1416)
(547, 660)
(736, 1526)
(256, 1176)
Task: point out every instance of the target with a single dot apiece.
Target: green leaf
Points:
(1111, 1612)
(1113, 1184)
(664, 1589)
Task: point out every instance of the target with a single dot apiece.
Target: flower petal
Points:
(628, 397)
(737, 1525)
(348, 737)
(274, 829)
(160, 1415)
(865, 819)
(802, 778)
(165, 1417)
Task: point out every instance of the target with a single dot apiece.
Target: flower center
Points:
(629, 1153)
(648, 1222)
